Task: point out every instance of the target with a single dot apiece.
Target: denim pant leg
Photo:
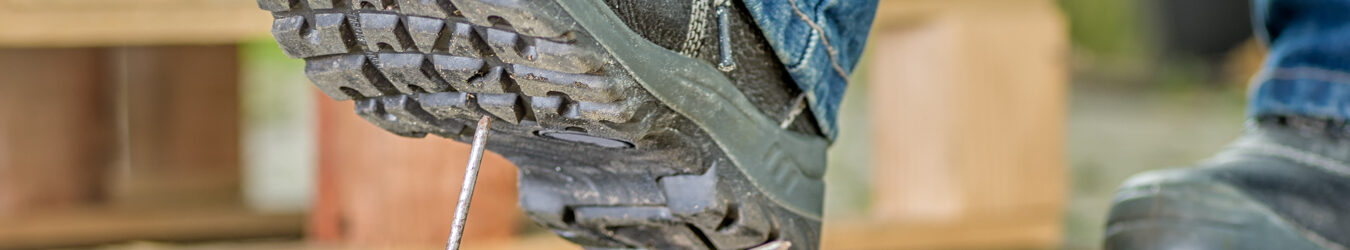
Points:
(819, 41)
(1307, 71)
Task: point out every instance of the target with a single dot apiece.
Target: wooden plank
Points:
(181, 107)
(55, 129)
(967, 119)
(102, 226)
(70, 23)
(1033, 231)
(381, 190)
(525, 242)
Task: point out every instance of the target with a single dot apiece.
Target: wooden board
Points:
(1030, 231)
(180, 113)
(56, 131)
(105, 226)
(69, 23)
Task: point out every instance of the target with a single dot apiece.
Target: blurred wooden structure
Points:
(112, 144)
(55, 129)
(967, 108)
(104, 143)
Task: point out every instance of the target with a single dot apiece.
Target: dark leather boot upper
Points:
(690, 27)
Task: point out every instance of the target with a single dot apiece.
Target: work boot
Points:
(663, 124)
(1283, 185)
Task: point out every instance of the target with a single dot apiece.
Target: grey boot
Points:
(1283, 185)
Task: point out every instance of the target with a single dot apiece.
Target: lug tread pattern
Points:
(404, 50)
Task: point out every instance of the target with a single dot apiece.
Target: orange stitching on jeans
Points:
(828, 49)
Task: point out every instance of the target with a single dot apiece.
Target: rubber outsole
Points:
(608, 157)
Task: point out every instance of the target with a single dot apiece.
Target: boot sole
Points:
(619, 143)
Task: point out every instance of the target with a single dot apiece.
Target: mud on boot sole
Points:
(619, 142)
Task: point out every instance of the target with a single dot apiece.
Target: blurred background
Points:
(970, 124)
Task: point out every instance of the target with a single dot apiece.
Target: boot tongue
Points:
(665, 22)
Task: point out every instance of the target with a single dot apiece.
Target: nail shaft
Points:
(480, 136)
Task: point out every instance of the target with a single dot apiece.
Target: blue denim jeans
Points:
(1307, 71)
(819, 41)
